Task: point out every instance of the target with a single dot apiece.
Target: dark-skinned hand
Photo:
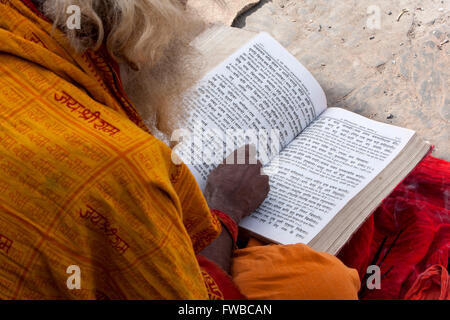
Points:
(237, 187)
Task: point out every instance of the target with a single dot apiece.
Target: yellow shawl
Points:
(81, 184)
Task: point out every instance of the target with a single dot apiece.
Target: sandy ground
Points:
(370, 57)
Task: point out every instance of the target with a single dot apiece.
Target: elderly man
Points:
(91, 205)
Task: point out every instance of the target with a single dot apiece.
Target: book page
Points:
(261, 94)
(321, 170)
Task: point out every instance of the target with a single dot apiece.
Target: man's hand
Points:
(237, 187)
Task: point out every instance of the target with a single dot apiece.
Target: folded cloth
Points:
(430, 285)
(292, 272)
(408, 234)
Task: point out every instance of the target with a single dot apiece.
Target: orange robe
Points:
(81, 184)
(292, 272)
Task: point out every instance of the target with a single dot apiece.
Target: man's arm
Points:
(237, 190)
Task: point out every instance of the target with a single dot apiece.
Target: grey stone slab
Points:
(398, 73)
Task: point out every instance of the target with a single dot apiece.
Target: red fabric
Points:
(431, 285)
(219, 284)
(229, 224)
(407, 234)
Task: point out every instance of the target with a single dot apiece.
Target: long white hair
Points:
(150, 38)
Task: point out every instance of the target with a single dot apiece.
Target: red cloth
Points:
(220, 286)
(228, 223)
(431, 285)
(408, 234)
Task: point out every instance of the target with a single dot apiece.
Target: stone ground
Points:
(397, 72)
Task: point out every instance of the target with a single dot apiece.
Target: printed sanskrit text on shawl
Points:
(81, 184)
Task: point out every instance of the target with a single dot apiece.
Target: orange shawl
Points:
(82, 184)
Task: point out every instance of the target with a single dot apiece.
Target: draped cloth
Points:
(292, 272)
(408, 237)
(82, 183)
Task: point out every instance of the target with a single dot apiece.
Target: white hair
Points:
(150, 38)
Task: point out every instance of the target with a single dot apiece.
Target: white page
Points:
(321, 170)
(262, 92)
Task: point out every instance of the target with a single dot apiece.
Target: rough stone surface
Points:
(397, 74)
(220, 11)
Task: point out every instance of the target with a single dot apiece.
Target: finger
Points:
(262, 171)
(231, 158)
(263, 181)
(259, 165)
(243, 155)
(254, 170)
(264, 188)
(250, 154)
(267, 184)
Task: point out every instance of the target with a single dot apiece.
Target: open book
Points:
(329, 168)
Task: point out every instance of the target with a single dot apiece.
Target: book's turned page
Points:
(327, 165)
(260, 94)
